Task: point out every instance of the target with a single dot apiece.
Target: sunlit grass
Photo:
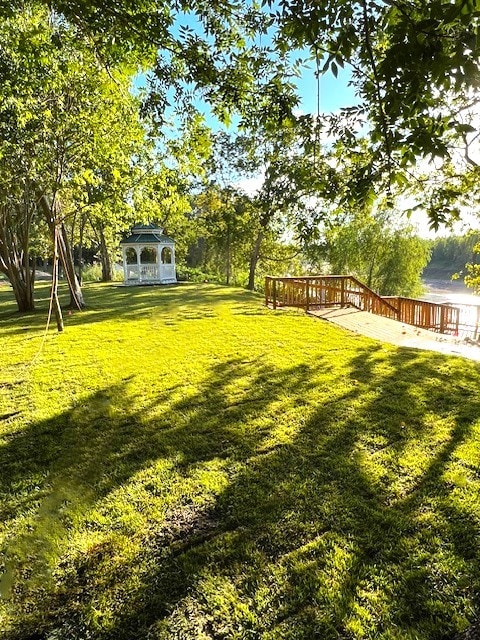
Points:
(183, 463)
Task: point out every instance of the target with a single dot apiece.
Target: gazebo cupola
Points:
(148, 256)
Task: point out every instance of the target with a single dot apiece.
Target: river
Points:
(448, 291)
(455, 292)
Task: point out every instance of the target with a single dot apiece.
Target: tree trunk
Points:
(229, 259)
(66, 257)
(107, 275)
(22, 291)
(254, 259)
(64, 251)
(55, 301)
(371, 268)
(80, 249)
(15, 222)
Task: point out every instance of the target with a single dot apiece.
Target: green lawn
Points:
(182, 463)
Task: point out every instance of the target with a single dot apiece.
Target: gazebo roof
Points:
(147, 234)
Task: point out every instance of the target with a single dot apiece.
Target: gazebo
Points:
(148, 256)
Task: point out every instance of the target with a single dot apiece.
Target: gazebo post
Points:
(139, 264)
(159, 262)
(125, 271)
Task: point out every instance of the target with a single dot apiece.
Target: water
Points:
(456, 293)
(449, 292)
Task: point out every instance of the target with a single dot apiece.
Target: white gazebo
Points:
(148, 256)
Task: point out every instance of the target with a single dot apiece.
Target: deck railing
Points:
(469, 321)
(314, 292)
(443, 318)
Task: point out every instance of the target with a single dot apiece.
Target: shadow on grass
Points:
(336, 518)
(184, 301)
(170, 304)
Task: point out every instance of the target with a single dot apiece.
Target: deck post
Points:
(442, 319)
(307, 295)
(342, 293)
(274, 294)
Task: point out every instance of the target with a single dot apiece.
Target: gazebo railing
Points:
(131, 272)
(142, 272)
(148, 272)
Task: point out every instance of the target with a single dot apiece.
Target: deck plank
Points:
(397, 333)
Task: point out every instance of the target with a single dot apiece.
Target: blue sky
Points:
(334, 92)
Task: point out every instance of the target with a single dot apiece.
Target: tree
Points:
(17, 211)
(360, 232)
(59, 127)
(276, 159)
(405, 55)
(223, 218)
(450, 254)
(472, 279)
(414, 66)
(101, 196)
(389, 258)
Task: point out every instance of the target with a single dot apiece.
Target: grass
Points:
(183, 463)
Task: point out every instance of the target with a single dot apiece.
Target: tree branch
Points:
(381, 111)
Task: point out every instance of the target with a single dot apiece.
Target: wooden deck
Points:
(345, 291)
(394, 332)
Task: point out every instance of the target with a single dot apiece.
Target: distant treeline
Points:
(451, 254)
